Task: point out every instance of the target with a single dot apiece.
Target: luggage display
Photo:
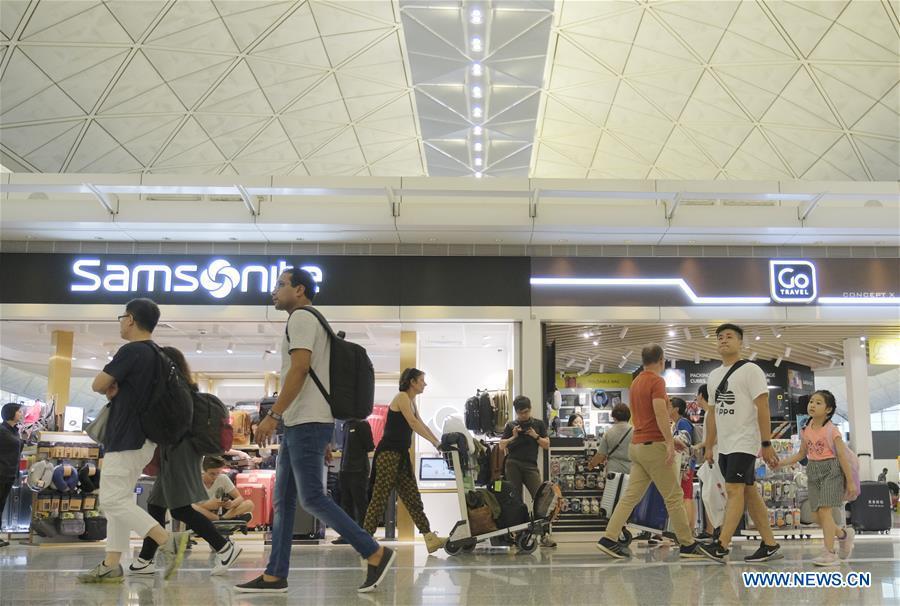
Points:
(142, 491)
(512, 509)
(16, 516)
(94, 529)
(650, 512)
(240, 424)
(616, 483)
(871, 511)
(263, 500)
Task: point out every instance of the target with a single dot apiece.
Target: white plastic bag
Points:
(714, 495)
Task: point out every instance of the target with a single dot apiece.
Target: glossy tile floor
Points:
(573, 573)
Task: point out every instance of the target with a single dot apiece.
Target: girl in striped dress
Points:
(829, 474)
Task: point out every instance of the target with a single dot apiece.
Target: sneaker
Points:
(375, 574)
(244, 517)
(845, 545)
(714, 551)
(141, 566)
(828, 558)
(259, 585)
(704, 536)
(765, 553)
(340, 541)
(173, 551)
(101, 573)
(226, 557)
(433, 542)
(613, 549)
(691, 551)
(548, 542)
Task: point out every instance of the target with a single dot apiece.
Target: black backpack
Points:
(473, 406)
(211, 433)
(512, 509)
(485, 413)
(168, 412)
(351, 375)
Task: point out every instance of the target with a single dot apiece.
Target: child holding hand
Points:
(829, 474)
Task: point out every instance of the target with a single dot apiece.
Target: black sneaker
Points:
(340, 541)
(613, 549)
(375, 574)
(692, 551)
(765, 553)
(714, 551)
(258, 585)
(704, 536)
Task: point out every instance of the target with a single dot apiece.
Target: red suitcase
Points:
(266, 479)
(256, 493)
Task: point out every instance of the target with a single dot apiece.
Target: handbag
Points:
(97, 428)
(481, 520)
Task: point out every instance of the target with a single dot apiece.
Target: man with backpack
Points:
(308, 427)
(129, 381)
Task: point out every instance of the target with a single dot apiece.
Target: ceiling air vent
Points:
(172, 198)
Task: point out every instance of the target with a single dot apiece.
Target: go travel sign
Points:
(792, 281)
(217, 277)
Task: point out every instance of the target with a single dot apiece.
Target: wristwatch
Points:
(275, 415)
(766, 443)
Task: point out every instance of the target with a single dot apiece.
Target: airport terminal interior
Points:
(520, 198)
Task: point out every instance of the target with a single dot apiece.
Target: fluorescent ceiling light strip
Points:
(651, 282)
(860, 300)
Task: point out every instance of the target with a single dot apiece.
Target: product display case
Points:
(581, 488)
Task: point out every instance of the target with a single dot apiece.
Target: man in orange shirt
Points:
(652, 455)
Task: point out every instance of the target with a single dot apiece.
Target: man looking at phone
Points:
(521, 442)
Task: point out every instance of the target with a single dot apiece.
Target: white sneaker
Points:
(845, 545)
(828, 558)
(143, 567)
(226, 557)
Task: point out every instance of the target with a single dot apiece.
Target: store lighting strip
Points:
(860, 300)
(679, 282)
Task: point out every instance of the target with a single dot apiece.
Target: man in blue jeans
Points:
(308, 428)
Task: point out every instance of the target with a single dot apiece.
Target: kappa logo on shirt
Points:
(723, 399)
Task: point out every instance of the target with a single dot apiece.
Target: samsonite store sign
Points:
(248, 280)
(702, 281)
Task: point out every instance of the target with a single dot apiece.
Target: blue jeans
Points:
(299, 471)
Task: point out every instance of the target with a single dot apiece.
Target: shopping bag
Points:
(97, 428)
(713, 493)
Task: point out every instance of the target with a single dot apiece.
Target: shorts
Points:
(738, 468)
(687, 484)
(826, 484)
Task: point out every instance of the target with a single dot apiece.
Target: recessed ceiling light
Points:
(477, 131)
(498, 240)
(475, 44)
(230, 348)
(93, 357)
(432, 239)
(478, 161)
(477, 174)
(671, 333)
(478, 147)
(476, 17)
(477, 111)
(476, 92)
(563, 241)
(596, 343)
(476, 69)
(199, 348)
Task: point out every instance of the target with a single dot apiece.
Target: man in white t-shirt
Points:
(219, 486)
(740, 428)
(308, 430)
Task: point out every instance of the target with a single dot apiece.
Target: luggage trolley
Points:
(525, 535)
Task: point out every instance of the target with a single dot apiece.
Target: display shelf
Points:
(581, 488)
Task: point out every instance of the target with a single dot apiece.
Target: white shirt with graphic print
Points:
(737, 428)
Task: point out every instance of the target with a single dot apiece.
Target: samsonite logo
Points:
(219, 277)
(792, 281)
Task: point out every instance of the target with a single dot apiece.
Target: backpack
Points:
(485, 413)
(501, 413)
(351, 375)
(166, 416)
(211, 434)
(473, 406)
(547, 501)
(512, 509)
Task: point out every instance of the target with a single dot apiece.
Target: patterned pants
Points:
(391, 473)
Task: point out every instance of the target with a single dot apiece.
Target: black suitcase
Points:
(94, 529)
(871, 511)
(512, 509)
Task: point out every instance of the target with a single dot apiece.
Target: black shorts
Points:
(738, 468)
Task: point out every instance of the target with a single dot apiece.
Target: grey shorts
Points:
(826, 484)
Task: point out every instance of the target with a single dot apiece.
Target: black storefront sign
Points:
(247, 280)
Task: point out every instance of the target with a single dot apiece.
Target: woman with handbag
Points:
(613, 449)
